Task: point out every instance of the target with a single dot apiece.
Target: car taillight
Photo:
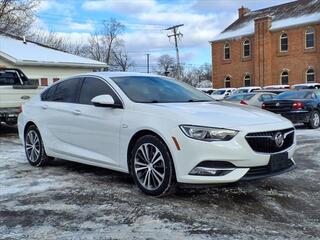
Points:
(263, 106)
(297, 105)
(243, 102)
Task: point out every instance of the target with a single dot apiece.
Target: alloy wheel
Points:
(316, 119)
(33, 146)
(149, 166)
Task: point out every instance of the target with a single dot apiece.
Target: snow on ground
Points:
(68, 200)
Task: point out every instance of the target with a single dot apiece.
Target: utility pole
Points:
(177, 35)
(148, 62)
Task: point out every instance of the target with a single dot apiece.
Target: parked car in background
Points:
(15, 89)
(277, 87)
(159, 130)
(208, 91)
(301, 106)
(246, 90)
(275, 90)
(222, 93)
(306, 86)
(252, 99)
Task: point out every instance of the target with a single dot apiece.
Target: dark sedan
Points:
(298, 106)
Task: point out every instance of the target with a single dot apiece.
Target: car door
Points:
(97, 128)
(57, 116)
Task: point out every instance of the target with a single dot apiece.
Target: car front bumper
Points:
(244, 160)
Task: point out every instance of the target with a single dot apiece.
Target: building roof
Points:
(13, 49)
(283, 16)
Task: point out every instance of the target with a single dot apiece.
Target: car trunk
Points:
(279, 106)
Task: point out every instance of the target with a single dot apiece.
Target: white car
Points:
(276, 87)
(158, 129)
(242, 90)
(222, 93)
(306, 86)
(207, 90)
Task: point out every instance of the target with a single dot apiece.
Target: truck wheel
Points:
(34, 147)
(314, 121)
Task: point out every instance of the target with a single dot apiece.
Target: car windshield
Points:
(219, 92)
(242, 91)
(145, 89)
(293, 95)
(240, 97)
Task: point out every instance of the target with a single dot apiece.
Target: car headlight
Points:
(208, 133)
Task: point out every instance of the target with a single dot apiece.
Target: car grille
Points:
(256, 172)
(264, 142)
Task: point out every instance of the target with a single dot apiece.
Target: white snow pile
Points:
(29, 52)
(248, 28)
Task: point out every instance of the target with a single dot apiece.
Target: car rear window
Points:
(295, 95)
(9, 78)
(240, 97)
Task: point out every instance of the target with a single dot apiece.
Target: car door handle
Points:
(76, 112)
(44, 106)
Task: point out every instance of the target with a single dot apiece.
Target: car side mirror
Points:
(105, 101)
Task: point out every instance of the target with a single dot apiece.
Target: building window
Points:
(309, 38)
(247, 81)
(284, 42)
(246, 48)
(226, 51)
(310, 76)
(285, 78)
(227, 82)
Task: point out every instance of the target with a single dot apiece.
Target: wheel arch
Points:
(140, 134)
(28, 124)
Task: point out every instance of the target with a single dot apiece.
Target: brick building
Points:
(271, 46)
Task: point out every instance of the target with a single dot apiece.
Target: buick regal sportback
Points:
(158, 129)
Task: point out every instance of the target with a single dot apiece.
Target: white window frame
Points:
(227, 79)
(246, 44)
(281, 37)
(281, 75)
(313, 73)
(244, 80)
(225, 46)
(305, 38)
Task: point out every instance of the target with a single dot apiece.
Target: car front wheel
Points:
(152, 166)
(314, 120)
(34, 148)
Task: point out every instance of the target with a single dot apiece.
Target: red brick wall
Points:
(266, 62)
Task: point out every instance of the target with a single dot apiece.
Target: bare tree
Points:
(166, 64)
(120, 59)
(16, 16)
(51, 39)
(103, 42)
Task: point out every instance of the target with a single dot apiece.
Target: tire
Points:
(314, 121)
(151, 166)
(34, 147)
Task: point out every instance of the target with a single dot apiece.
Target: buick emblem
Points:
(279, 139)
(277, 104)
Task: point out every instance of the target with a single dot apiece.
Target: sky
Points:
(145, 21)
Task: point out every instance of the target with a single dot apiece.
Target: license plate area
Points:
(278, 161)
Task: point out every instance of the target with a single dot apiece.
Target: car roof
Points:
(249, 87)
(306, 84)
(118, 74)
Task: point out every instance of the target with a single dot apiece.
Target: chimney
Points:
(243, 11)
(24, 40)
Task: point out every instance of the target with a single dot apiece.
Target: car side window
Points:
(66, 91)
(48, 95)
(9, 79)
(93, 87)
(265, 97)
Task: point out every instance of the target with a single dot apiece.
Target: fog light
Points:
(203, 171)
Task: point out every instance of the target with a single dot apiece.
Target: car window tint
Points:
(48, 95)
(93, 87)
(240, 97)
(265, 97)
(66, 91)
(9, 78)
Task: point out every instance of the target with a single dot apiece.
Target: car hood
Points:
(219, 114)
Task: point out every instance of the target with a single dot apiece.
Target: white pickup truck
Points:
(15, 89)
